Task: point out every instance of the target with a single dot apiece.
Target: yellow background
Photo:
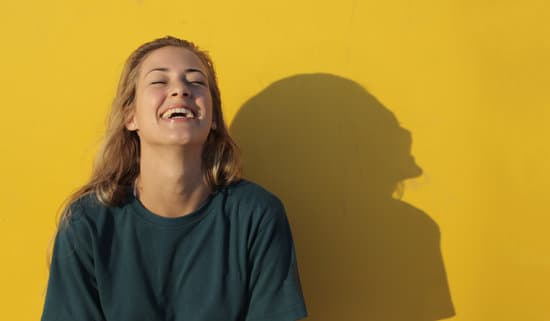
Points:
(468, 79)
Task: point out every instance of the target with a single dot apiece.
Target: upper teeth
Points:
(188, 113)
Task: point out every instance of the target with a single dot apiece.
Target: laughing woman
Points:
(166, 229)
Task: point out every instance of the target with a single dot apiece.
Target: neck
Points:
(171, 182)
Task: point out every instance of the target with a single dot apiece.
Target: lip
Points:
(177, 120)
(178, 105)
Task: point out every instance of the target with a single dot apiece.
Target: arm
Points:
(72, 290)
(275, 292)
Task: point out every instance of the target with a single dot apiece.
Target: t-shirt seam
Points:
(137, 211)
(144, 219)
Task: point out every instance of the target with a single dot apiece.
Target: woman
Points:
(166, 229)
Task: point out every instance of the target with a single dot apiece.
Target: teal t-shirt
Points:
(232, 259)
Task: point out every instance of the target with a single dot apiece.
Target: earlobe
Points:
(130, 123)
(131, 126)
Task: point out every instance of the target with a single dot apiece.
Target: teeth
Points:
(186, 112)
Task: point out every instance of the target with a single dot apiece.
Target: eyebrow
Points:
(166, 69)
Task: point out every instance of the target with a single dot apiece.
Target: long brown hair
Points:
(117, 164)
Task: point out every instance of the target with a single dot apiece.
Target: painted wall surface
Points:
(332, 102)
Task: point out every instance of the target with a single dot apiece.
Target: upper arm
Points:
(72, 289)
(275, 292)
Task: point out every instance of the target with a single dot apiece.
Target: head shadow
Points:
(335, 155)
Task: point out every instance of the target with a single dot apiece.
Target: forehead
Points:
(173, 58)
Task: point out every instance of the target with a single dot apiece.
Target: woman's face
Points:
(173, 105)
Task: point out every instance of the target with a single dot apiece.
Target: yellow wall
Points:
(465, 82)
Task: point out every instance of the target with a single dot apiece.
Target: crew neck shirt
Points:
(232, 259)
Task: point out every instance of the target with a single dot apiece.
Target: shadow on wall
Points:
(334, 154)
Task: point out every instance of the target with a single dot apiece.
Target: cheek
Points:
(205, 102)
(210, 110)
(208, 103)
(148, 100)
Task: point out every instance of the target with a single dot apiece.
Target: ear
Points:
(130, 122)
(213, 126)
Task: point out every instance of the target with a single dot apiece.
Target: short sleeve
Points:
(72, 290)
(275, 292)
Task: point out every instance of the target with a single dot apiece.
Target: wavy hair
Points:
(117, 163)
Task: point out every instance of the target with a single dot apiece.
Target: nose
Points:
(180, 89)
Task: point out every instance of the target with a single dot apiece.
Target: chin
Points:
(175, 140)
(179, 141)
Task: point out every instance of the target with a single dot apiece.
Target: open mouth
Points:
(174, 113)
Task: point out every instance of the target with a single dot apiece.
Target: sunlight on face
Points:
(173, 100)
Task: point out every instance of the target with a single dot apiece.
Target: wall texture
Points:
(334, 104)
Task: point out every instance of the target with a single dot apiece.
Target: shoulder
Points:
(84, 208)
(416, 219)
(251, 194)
(86, 215)
(87, 220)
(76, 229)
(253, 203)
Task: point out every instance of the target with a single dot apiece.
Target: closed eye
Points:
(158, 82)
